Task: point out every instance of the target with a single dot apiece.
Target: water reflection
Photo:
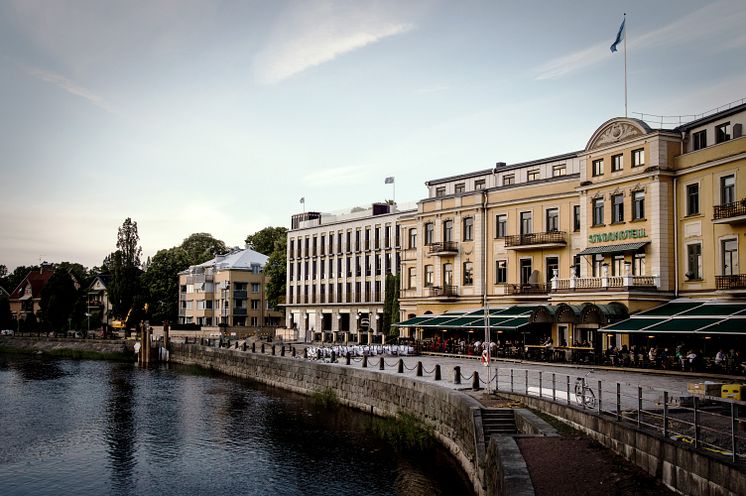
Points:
(120, 429)
(39, 369)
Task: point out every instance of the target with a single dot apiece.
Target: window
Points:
(722, 132)
(598, 212)
(322, 244)
(358, 269)
(617, 265)
(638, 157)
(501, 225)
(501, 272)
(598, 167)
(526, 223)
(694, 261)
(254, 287)
(575, 269)
(429, 276)
(559, 170)
(699, 140)
(638, 205)
(412, 277)
(447, 231)
(638, 264)
(468, 228)
(339, 243)
(508, 179)
(617, 209)
(305, 270)
(387, 236)
(479, 184)
(367, 238)
(413, 238)
(468, 273)
(460, 188)
(291, 248)
(377, 237)
(441, 191)
(598, 265)
(526, 271)
(727, 189)
(730, 257)
(552, 222)
(255, 304)
(447, 274)
(552, 265)
(576, 217)
(429, 233)
(349, 241)
(617, 163)
(533, 175)
(692, 199)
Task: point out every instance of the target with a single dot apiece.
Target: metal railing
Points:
(445, 291)
(518, 289)
(678, 120)
(736, 281)
(728, 210)
(540, 238)
(443, 247)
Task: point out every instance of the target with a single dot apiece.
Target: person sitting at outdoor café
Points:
(720, 359)
(548, 348)
(691, 359)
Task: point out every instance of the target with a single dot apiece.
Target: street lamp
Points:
(88, 318)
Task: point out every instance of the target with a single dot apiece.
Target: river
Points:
(95, 428)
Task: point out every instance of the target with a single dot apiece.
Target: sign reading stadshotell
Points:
(617, 235)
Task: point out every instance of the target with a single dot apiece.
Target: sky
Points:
(218, 116)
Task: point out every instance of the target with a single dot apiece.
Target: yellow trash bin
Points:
(732, 391)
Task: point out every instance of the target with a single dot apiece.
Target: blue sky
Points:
(194, 116)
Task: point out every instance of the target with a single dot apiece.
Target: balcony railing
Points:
(445, 291)
(239, 311)
(542, 238)
(737, 281)
(444, 247)
(239, 294)
(730, 210)
(604, 283)
(525, 289)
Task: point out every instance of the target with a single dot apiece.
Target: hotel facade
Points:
(570, 246)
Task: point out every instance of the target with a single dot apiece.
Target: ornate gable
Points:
(617, 130)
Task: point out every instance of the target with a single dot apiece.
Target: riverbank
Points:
(76, 349)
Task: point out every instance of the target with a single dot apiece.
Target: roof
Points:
(236, 260)
(686, 317)
(37, 279)
(712, 117)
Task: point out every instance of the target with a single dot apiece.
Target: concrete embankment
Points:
(70, 348)
(454, 416)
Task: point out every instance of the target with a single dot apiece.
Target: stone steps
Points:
(499, 421)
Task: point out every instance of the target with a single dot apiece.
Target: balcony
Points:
(624, 283)
(239, 312)
(443, 249)
(530, 241)
(737, 281)
(730, 213)
(443, 292)
(239, 294)
(525, 289)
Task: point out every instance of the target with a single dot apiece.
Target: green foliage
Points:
(265, 241)
(6, 317)
(276, 272)
(201, 247)
(125, 270)
(391, 306)
(405, 432)
(161, 281)
(58, 299)
(325, 398)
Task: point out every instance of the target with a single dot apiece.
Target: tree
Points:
(264, 241)
(6, 317)
(161, 281)
(276, 272)
(125, 271)
(391, 306)
(201, 247)
(58, 298)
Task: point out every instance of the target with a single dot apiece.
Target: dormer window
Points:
(533, 175)
(722, 132)
(508, 179)
(479, 184)
(440, 191)
(460, 188)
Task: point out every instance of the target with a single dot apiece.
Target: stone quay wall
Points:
(454, 416)
(680, 467)
(50, 345)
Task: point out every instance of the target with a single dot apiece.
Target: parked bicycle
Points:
(584, 395)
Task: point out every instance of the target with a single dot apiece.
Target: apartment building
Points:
(336, 272)
(569, 246)
(227, 291)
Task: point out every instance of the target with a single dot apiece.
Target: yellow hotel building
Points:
(571, 246)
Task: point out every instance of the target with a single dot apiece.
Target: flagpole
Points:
(625, 64)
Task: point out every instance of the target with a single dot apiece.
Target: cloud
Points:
(705, 23)
(314, 34)
(71, 87)
(347, 175)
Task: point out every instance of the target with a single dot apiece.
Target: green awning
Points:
(682, 325)
(729, 326)
(619, 248)
(414, 321)
(632, 325)
(671, 309)
(516, 310)
(724, 310)
(466, 322)
(438, 321)
(512, 324)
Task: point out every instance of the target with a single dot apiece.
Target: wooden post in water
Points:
(166, 339)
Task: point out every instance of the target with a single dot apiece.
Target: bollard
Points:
(262, 347)
(236, 346)
(273, 350)
(282, 350)
(437, 372)
(243, 348)
(253, 347)
(400, 369)
(347, 358)
(457, 375)
(305, 353)
(318, 354)
(381, 364)
(365, 361)
(201, 341)
(334, 357)
(419, 369)
(293, 348)
(475, 381)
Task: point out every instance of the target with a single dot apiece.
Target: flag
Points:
(303, 200)
(389, 180)
(619, 36)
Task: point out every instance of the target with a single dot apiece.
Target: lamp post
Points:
(88, 318)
